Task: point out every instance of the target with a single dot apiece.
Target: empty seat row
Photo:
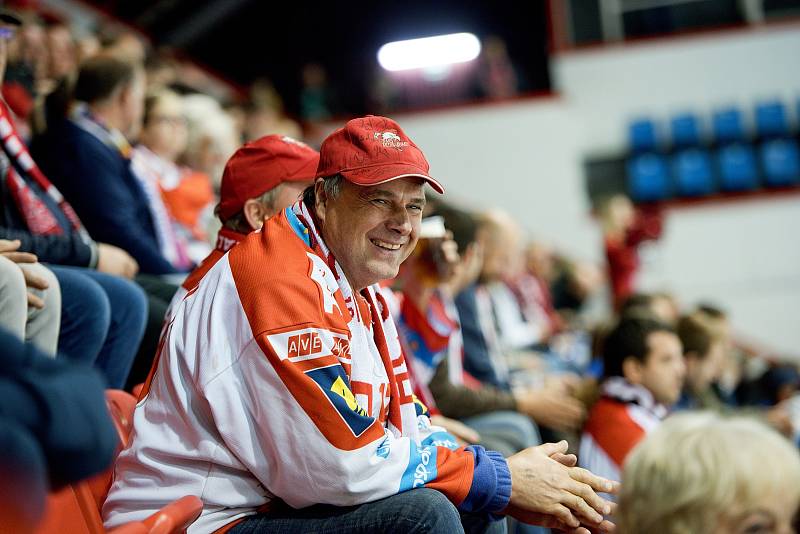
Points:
(771, 120)
(694, 172)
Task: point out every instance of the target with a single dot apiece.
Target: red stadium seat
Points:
(76, 508)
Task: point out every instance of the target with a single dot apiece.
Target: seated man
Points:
(86, 155)
(644, 373)
(260, 179)
(281, 380)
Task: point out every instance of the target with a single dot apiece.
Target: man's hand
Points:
(464, 434)
(9, 250)
(552, 407)
(114, 260)
(547, 490)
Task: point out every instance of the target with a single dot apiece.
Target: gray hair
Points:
(238, 221)
(332, 186)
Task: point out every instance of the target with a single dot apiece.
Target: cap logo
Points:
(390, 139)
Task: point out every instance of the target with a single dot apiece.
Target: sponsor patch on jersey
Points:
(441, 439)
(383, 449)
(335, 385)
(309, 343)
(421, 467)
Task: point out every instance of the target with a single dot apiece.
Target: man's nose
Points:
(400, 222)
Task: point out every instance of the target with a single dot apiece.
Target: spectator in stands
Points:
(102, 314)
(482, 306)
(265, 114)
(733, 363)
(54, 429)
(624, 229)
(660, 305)
(704, 352)
(699, 472)
(644, 373)
(262, 178)
(180, 200)
(497, 77)
(62, 54)
(283, 380)
(212, 136)
(532, 288)
(484, 356)
(318, 101)
(124, 44)
(30, 299)
(87, 157)
(428, 329)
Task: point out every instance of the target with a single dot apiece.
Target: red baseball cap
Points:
(261, 165)
(373, 150)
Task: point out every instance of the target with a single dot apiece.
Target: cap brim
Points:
(306, 173)
(386, 173)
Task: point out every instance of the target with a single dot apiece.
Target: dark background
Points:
(246, 39)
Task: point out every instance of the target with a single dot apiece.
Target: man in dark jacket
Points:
(87, 157)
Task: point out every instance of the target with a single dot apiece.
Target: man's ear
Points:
(321, 199)
(253, 213)
(632, 370)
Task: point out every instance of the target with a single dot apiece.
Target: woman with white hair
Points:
(702, 473)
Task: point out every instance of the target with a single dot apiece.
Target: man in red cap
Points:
(281, 396)
(260, 179)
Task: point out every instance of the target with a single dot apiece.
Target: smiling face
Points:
(371, 230)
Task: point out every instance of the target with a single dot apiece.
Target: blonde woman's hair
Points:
(696, 467)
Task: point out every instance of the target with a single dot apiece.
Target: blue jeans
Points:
(508, 433)
(416, 511)
(102, 320)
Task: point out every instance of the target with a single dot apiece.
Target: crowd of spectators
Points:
(112, 170)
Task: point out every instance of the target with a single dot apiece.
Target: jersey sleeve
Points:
(286, 409)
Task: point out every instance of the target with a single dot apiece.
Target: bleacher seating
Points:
(731, 159)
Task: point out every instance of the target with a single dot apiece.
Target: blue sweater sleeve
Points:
(63, 407)
(491, 482)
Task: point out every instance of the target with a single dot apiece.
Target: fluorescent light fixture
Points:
(429, 51)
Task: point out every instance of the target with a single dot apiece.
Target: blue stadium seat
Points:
(692, 171)
(727, 124)
(737, 167)
(685, 130)
(771, 120)
(642, 135)
(648, 178)
(780, 159)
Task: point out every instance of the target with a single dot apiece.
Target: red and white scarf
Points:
(38, 217)
(402, 416)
